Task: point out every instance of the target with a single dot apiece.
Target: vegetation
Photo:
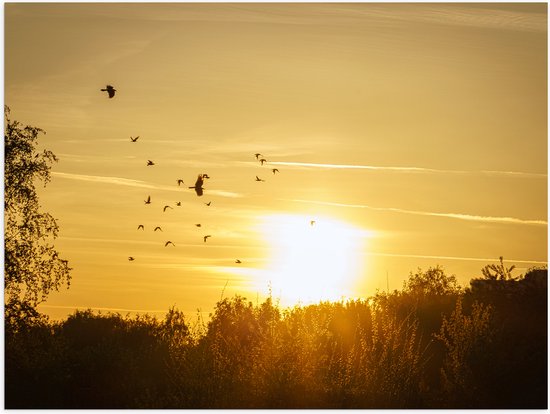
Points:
(431, 345)
(32, 266)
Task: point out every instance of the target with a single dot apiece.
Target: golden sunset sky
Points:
(412, 134)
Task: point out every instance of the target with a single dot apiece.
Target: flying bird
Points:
(205, 237)
(131, 259)
(110, 90)
(180, 182)
(169, 242)
(148, 201)
(149, 162)
(205, 176)
(259, 179)
(312, 222)
(275, 170)
(208, 204)
(257, 155)
(141, 227)
(157, 228)
(198, 185)
(198, 224)
(238, 261)
(134, 139)
(263, 160)
(178, 203)
(165, 207)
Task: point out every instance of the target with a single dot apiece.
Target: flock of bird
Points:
(198, 187)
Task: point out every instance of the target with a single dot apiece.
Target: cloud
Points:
(407, 169)
(134, 183)
(477, 259)
(460, 216)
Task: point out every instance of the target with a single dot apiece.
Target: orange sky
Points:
(413, 134)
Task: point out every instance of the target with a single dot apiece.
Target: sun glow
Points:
(312, 258)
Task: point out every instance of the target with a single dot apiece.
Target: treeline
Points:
(430, 345)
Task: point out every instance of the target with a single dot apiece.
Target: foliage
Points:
(433, 281)
(32, 266)
(466, 338)
(399, 350)
(498, 271)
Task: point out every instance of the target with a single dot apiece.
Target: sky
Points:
(405, 136)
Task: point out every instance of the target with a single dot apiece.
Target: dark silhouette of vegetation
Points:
(32, 266)
(431, 345)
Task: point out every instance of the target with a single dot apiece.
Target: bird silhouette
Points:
(134, 139)
(198, 185)
(180, 182)
(205, 176)
(208, 204)
(198, 224)
(141, 227)
(206, 237)
(238, 261)
(257, 155)
(110, 90)
(312, 222)
(275, 170)
(157, 228)
(169, 242)
(263, 160)
(259, 179)
(178, 203)
(149, 162)
(131, 259)
(165, 207)
(148, 201)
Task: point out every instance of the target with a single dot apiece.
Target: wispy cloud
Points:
(406, 169)
(135, 183)
(459, 216)
(476, 259)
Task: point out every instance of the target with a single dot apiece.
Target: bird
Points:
(208, 204)
(180, 182)
(263, 160)
(149, 162)
(110, 90)
(205, 176)
(312, 222)
(157, 228)
(169, 242)
(198, 224)
(205, 237)
(275, 170)
(257, 155)
(134, 139)
(141, 227)
(165, 207)
(131, 259)
(238, 261)
(148, 201)
(178, 203)
(198, 185)
(259, 179)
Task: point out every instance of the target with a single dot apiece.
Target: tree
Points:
(498, 272)
(433, 281)
(32, 266)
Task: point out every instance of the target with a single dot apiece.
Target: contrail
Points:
(487, 219)
(134, 183)
(75, 307)
(407, 169)
(476, 259)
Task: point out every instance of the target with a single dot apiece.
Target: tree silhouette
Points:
(32, 266)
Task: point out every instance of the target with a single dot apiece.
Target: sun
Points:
(312, 258)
